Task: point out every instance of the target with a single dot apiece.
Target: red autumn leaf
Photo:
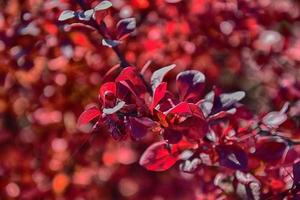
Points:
(190, 84)
(133, 79)
(88, 115)
(160, 157)
(101, 10)
(140, 126)
(222, 114)
(185, 108)
(296, 173)
(270, 150)
(172, 135)
(108, 88)
(162, 118)
(159, 93)
(232, 156)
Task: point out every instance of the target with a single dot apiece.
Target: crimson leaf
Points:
(190, 84)
(232, 156)
(270, 150)
(160, 157)
(159, 93)
(296, 173)
(88, 115)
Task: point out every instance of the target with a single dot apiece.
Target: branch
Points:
(100, 29)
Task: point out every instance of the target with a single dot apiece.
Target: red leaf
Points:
(232, 156)
(270, 150)
(222, 114)
(296, 173)
(140, 126)
(190, 84)
(131, 75)
(185, 108)
(101, 10)
(173, 136)
(125, 27)
(107, 88)
(159, 93)
(158, 157)
(88, 115)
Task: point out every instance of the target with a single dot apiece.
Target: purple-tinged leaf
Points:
(232, 156)
(66, 14)
(125, 27)
(172, 136)
(140, 126)
(115, 109)
(158, 76)
(103, 5)
(190, 84)
(88, 115)
(296, 173)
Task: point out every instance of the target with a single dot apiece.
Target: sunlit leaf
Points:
(186, 109)
(115, 109)
(103, 5)
(159, 93)
(133, 79)
(228, 99)
(275, 119)
(160, 156)
(158, 75)
(66, 14)
(106, 89)
(85, 15)
(88, 115)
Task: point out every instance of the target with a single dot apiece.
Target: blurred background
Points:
(49, 72)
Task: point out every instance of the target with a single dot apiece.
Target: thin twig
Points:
(100, 29)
